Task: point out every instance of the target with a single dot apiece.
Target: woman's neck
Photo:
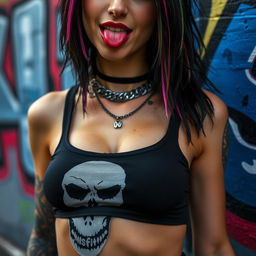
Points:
(122, 68)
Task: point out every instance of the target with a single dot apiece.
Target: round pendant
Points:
(118, 124)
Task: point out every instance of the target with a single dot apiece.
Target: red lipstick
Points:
(114, 34)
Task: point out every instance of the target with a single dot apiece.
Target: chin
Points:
(113, 54)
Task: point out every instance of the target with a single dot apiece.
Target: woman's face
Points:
(119, 28)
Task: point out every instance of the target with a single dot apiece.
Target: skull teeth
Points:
(85, 242)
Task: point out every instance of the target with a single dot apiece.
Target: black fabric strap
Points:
(122, 80)
(68, 110)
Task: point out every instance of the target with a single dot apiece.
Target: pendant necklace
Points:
(118, 123)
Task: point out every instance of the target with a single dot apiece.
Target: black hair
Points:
(176, 63)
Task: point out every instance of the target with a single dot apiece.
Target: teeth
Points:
(115, 29)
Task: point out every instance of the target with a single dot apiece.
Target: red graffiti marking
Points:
(7, 141)
(54, 67)
(7, 62)
(8, 5)
(241, 230)
(8, 66)
(10, 141)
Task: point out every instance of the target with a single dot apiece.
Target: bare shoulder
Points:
(46, 110)
(220, 111)
(213, 129)
(44, 115)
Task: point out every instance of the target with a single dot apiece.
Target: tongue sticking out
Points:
(115, 39)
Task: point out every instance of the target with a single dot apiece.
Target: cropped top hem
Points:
(172, 219)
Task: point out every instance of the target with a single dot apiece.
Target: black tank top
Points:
(150, 184)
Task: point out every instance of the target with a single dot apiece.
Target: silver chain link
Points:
(95, 87)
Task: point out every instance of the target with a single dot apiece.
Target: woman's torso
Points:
(129, 238)
(95, 133)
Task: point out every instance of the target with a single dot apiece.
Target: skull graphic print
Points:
(90, 184)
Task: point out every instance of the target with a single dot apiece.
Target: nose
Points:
(118, 8)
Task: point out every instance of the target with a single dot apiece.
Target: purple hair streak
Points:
(182, 26)
(70, 14)
(163, 80)
(165, 63)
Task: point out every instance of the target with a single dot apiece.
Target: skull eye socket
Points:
(76, 192)
(108, 193)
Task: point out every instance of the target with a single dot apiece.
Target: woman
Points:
(118, 167)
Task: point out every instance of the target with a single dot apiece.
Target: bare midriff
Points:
(129, 238)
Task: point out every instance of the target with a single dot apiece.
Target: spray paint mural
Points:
(229, 29)
(30, 62)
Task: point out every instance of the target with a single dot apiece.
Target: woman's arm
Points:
(42, 241)
(207, 188)
(41, 118)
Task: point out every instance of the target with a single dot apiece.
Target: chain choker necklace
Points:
(95, 87)
(118, 123)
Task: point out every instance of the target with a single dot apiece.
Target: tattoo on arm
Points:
(225, 144)
(42, 241)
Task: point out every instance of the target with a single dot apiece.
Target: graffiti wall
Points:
(30, 63)
(229, 28)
